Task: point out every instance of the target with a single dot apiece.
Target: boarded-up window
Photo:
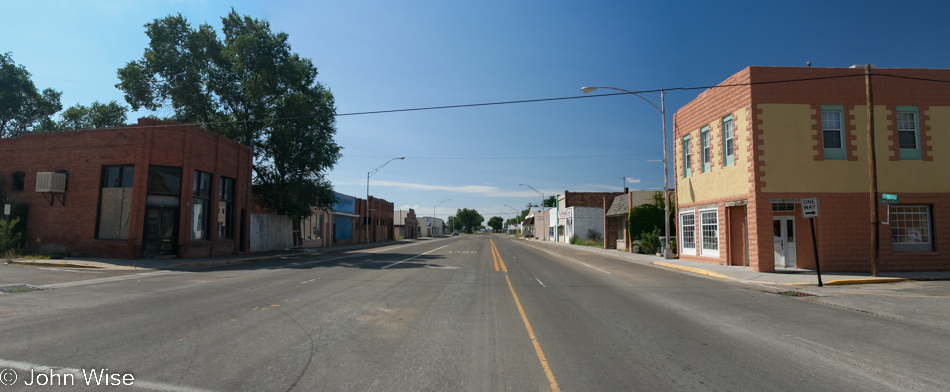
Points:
(115, 202)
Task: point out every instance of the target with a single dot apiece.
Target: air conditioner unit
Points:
(49, 182)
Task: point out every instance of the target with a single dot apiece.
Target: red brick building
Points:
(151, 189)
(747, 152)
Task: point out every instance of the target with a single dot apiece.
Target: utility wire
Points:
(557, 99)
(514, 158)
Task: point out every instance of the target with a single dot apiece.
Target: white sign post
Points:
(810, 208)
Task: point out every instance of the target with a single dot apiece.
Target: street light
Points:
(668, 253)
(539, 192)
(440, 203)
(368, 175)
(517, 213)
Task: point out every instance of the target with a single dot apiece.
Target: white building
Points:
(431, 227)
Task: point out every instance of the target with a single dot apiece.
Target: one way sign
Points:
(810, 208)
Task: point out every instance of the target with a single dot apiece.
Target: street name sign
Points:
(888, 198)
(810, 208)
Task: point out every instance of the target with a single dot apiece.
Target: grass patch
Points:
(51, 256)
(20, 288)
(597, 244)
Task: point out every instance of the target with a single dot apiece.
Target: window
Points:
(908, 135)
(705, 144)
(911, 229)
(687, 158)
(783, 207)
(709, 232)
(688, 231)
(727, 141)
(226, 209)
(115, 202)
(200, 204)
(164, 180)
(19, 181)
(832, 132)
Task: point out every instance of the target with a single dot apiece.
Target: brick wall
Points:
(587, 199)
(71, 228)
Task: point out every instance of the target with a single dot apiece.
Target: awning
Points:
(529, 221)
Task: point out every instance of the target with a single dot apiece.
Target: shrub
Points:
(9, 237)
(593, 235)
(650, 241)
(575, 239)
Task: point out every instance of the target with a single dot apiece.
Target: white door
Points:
(783, 234)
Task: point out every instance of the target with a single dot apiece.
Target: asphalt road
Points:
(474, 313)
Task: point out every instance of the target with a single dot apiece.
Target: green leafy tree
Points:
(644, 218)
(496, 222)
(97, 115)
(469, 219)
(551, 201)
(249, 86)
(23, 108)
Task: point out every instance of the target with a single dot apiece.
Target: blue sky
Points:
(383, 55)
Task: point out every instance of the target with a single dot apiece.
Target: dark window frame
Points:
(19, 181)
(226, 195)
(201, 194)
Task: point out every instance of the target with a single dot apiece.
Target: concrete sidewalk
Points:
(782, 276)
(167, 263)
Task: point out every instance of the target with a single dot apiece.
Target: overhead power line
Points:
(562, 98)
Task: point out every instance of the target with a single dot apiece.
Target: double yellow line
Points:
(534, 339)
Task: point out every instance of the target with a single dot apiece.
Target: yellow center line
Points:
(494, 250)
(534, 339)
(494, 257)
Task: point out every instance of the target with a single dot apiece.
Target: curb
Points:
(62, 265)
(839, 282)
(699, 271)
(861, 281)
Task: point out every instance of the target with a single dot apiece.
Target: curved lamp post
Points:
(368, 175)
(440, 203)
(517, 213)
(667, 253)
(539, 192)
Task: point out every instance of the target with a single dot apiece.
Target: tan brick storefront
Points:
(744, 208)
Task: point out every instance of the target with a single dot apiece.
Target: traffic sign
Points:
(888, 196)
(810, 208)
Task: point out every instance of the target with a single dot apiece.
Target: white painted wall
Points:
(271, 232)
(588, 218)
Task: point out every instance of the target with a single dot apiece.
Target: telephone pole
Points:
(872, 167)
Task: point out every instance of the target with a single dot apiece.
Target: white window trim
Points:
(683, 236)
(699, 241)
(914, 246)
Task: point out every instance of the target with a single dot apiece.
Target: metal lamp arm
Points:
(631, 92)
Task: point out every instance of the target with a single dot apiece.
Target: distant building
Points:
(580, 212)
(616, 218)
(345, 223)
(431, 227)
(405, 225)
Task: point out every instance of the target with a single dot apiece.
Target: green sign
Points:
(888, 196)
(888, 201)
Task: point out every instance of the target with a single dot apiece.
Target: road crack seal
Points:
(312, 349)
